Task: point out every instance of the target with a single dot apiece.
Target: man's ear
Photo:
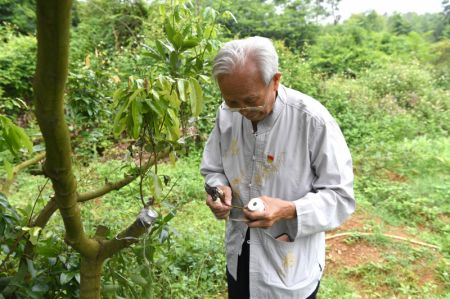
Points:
(276, 80)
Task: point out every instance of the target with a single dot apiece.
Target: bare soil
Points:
(343, 254)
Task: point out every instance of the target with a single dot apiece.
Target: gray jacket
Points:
(298, 154)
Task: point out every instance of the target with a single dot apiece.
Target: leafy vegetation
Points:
(139, 86)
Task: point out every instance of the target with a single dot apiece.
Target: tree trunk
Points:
(90, 272)
(53, 27)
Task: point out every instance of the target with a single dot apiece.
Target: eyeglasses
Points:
(246, 108)
(242, 109)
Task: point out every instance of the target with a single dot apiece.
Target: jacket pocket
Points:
(286, 263)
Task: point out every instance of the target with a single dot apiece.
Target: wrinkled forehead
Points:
(242, 84)
(246, 74)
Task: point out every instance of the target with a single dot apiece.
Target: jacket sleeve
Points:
(211, 166)
(331, 200)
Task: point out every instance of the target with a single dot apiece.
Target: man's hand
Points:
(275, 209)
(221, 207)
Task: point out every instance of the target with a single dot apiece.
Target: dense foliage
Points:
(139, 70)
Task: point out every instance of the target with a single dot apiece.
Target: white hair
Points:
(234, 54)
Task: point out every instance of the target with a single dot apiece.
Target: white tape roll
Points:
(256, 204)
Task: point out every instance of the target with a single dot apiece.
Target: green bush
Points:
(107, 25)
(441, 61)
(387, 103)
(355, 108)
(89, 97)
(17, 65)
(345, 50)
(297, 71)
(89, 103)
(406, 82)
(54, 271)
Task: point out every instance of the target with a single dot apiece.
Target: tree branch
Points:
(27, 163)
(108, 187)
(131, 234)
(6, 184)
(40, 221)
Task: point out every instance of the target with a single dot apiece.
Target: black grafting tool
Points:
(214, 192)
(217, 194)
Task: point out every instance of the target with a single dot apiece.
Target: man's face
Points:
(245, 89)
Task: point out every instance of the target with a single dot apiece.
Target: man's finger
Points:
(209, 201)
(227, 195)
(254, 215)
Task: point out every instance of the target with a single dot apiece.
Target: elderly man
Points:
(283, 147)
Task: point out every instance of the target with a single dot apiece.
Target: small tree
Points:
(152, 111)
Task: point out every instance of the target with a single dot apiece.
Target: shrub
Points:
(406, 82)
(296, 71)
(345, 50)
(17, 65)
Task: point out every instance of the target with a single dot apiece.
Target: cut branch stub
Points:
(147, 216)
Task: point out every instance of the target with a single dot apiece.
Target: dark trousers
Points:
(239, 289)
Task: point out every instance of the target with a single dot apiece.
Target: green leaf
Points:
(190, 43)
(136, 109)
(170, 32)
(160, 48)
(168, 46)
(169, 216)
(176, 13)
(206, 79)
(31, 269)
(173, 59)
(119, 126)
(65, 277)
(178, 41)
(173, 125)
(227, 15)
(138, 279)
(109, 288)
(33, 232)
(153, 53)
(187, 30)
(15, 136)
(151, 104)
(155, 184)
(196, 95)
(181, 89)
(135, 94)
(210, 13)
(155, 95)
(162, 10)
(40, 288)
(119, 122)
(117, 96)
(174, 101)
